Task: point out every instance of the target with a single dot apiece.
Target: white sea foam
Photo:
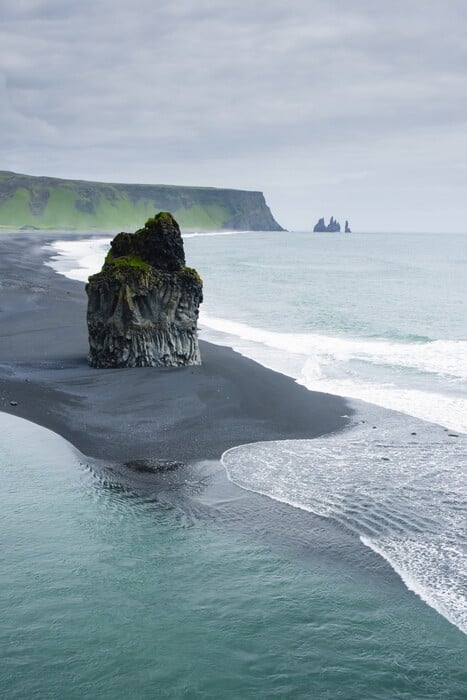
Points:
(77, 259)
(346, 367)
(433, 567)
(445, 357)
(406, 500)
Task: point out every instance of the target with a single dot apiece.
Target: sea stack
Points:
(333, 226)
(143, 305)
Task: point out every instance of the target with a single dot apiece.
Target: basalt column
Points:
(143, 305)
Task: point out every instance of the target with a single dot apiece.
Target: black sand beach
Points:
(186, 414)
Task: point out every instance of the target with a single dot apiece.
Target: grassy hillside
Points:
(46, 202)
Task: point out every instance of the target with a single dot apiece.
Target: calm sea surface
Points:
(335, 571)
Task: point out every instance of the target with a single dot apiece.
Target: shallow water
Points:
(207, 591)
(400, 487)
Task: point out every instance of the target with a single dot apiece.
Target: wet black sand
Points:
(188, 414)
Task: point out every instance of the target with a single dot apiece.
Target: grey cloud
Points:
(318, 99)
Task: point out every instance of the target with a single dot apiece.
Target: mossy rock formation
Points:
(143, 305)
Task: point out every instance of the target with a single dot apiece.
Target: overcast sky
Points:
(356, 108)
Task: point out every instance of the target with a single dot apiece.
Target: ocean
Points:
(336, 570)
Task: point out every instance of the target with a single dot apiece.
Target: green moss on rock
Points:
(159, 243)
(193, 274)
(153, 253)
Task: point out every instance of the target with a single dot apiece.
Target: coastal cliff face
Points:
(143, 305)
(45, 202)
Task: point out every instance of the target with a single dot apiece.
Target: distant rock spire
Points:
(347, 227)
(320, 227)
(333, 226)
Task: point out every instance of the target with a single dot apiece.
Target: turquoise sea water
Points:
(107, 594)
(345, 579)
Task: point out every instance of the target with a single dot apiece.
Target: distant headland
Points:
(333, 226)
(29, 203)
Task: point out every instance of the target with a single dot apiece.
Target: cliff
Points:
(44, 202)
(143, 305)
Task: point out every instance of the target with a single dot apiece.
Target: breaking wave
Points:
(423, 379)
(405, 499)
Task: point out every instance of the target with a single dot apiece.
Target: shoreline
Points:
(129, 424)
(186, 414)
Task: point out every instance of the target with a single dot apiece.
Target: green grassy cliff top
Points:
(32, 202)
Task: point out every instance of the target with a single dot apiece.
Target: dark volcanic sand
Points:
(189, 414)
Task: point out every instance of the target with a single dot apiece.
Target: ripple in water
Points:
(404, 499)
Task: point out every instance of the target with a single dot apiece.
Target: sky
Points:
(355, 108)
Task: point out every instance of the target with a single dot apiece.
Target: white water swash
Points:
(370, 317)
